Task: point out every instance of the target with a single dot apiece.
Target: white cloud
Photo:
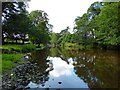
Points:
(60, 67)
(62, 13)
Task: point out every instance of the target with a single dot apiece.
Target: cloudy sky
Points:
(62, 13)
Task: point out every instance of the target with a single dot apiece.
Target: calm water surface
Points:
(62, 68)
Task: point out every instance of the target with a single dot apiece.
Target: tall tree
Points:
(40, 27)
(9, 10)
(18, 24)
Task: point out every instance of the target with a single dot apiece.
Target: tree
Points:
(107, 21)
(85, 26)
(9, 10)
(40, 27)
(17, 24)
(54, 38)
(82, 29)
(64, 36)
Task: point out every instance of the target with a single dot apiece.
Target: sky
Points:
(61, 13)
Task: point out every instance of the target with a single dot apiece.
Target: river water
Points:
(63, 68)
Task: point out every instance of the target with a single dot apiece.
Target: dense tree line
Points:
(100, 25)
(98, 28)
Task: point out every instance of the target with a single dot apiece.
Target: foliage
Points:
(85, 25)
(40, 27)
(15, 20)
(54, 38)
(99, 26)
(64, 36)
(54, 52)
(17, 24)
(10, 8)
(107, 21)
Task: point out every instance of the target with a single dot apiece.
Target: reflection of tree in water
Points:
(35, 71)
(40, 59)
(54, 52)
(97, 68)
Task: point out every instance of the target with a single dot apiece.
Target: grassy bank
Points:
(76, 46)
(9, 61)
(12, 54)
(17, 48)
(84, 46)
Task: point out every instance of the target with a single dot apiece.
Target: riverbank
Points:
(38, 69)
(76, 46)
(13, 55)
(10, 61)
(11, 48)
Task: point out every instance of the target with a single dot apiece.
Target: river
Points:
(63, 68)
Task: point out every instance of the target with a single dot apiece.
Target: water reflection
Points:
(77, 69)
(61, 76)
(60, 67)
(98, 68)
(40, 60)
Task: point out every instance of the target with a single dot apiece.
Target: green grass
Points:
(12, 57)
(12, 54)
(7, 65)
(18, 48)
(8, 61)
(9, 46)
(0, 64)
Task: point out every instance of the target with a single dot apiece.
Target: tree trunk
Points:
(16, 41)
(23, 41)
(3, 42)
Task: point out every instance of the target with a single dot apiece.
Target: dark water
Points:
(62, 68)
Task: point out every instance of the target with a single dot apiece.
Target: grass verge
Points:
(9, 61)
(17, 48)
